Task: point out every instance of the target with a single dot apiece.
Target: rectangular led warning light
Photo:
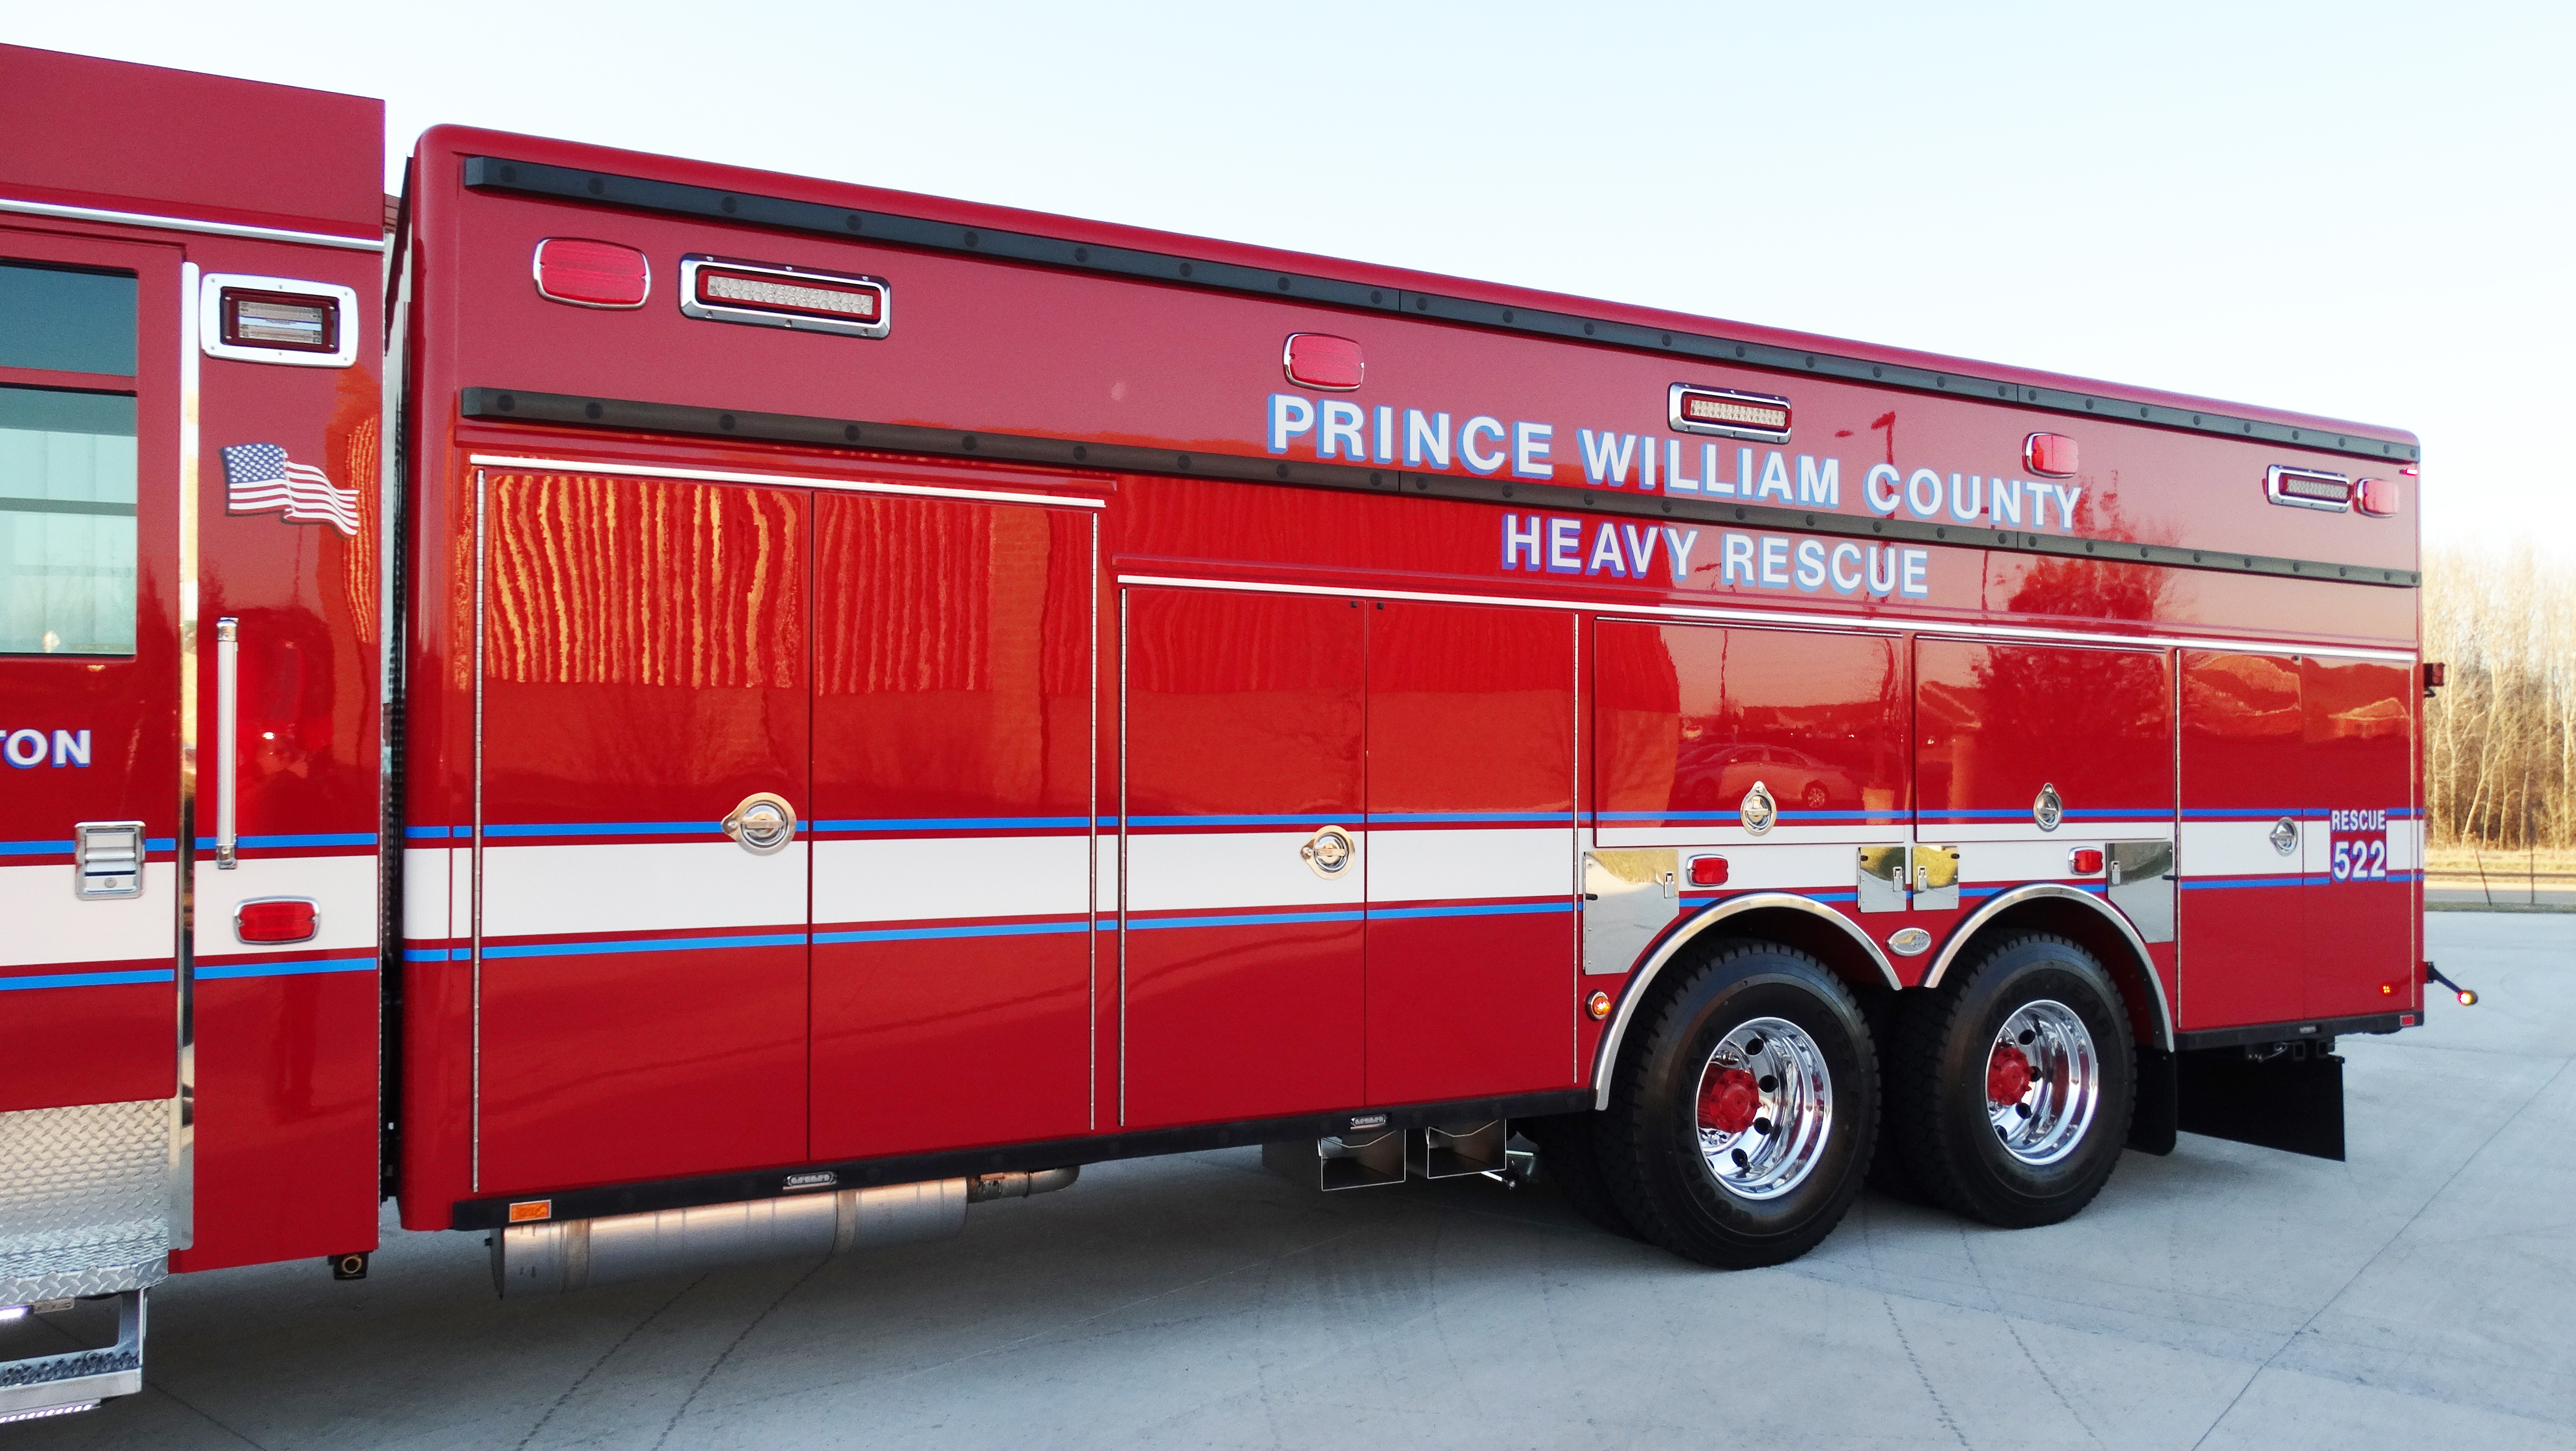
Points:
(288, 320)
(1728, 414)
(723, 289)
(2307, 488)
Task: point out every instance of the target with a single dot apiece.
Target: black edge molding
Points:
(512, 405)
(528, 178)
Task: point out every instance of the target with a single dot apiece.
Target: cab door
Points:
(641, 860)
(89, 677)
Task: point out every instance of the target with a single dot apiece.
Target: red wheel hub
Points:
(1728, 1100)
(2007, 1075)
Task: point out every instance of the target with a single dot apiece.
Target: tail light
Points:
(2050, 455)
(592, 274)
(2375, 497)
(1322, 361)
(2085, 861)
(276, 919)
(1708, 871)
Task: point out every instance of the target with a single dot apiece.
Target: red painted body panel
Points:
(952, 697)
(2363, 926)
(1470, 724)
(108, 1043)
(1240, 708)
(646, 668)
(2243, 752)
(1996, 723)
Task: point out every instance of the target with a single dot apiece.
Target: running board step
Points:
(59, 1382)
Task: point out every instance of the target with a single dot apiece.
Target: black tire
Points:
(1938, 1088)
(1566, 1159)
(1649, 1144)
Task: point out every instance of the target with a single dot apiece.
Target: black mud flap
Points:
(2151, 1125)
(2291, 1101)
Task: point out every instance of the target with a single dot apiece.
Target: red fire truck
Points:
(547, 701)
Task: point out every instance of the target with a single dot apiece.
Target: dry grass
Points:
(2500, 738)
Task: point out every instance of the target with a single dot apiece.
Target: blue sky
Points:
(2358, 210)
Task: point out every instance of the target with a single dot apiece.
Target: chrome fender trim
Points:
(1682, 936)
(1966, 932)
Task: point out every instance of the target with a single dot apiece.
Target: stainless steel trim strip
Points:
(227, 740)
(188, 224)
(1608, 1053)
(1613, 609)
(475, 918)
(183, 1104)
(794, 481)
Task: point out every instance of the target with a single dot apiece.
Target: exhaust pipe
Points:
(574, 1254)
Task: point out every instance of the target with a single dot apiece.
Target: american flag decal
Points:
(259, 477)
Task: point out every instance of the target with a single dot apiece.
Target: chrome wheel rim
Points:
(1764, 1109)
(2043, 1082)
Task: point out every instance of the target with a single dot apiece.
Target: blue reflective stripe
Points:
(1551, 818)
(958, 823)
(35, 848)
(931, 934)
(604, 828)
(650, 944)
(1314, 819)
(89, 979)
(1140, 924)
(222, 970)
(1485, 909)
(437, 954)
(436, 833)
(2203, 884)
(266, 843)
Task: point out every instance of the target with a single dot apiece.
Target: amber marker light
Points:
(528, 1211)
(1598, 1005)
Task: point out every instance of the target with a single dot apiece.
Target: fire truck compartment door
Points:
(643, 674)
(90, 556)
(952, 810)
(1244, 985)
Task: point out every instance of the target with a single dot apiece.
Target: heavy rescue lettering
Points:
(27, 747)
(1560, 544)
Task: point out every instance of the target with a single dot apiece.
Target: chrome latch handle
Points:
(763, 824)
(1328, 852)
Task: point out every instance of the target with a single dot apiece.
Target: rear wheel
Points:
(1740, 1126)
(2013, 1084)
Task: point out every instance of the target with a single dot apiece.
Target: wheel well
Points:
(1809, 930)
(2089, 929)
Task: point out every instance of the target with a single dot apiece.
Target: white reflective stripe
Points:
(2012, 863)
(190, 224)
(2071, 832)
(639, 887)
(1218, 870)
(47, 924)
(343, 890)
(425, 892)
(1652, 614)
(2234, 849)
(1446, 864)
(1731, 835)
(791, 481)
(913, 879)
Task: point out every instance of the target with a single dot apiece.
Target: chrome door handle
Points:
(1328, 852)
(227, 733)
(763, 824)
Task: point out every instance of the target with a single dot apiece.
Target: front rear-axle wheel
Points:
(1744, 1109)
(2012, 1083)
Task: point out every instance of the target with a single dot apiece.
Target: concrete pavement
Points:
(2422, 1294)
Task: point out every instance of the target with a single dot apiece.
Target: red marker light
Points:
(592, 274)
(2085, 861)
(276, 919)
(1320, 360)
(1708, 871)
(2375, 497)
(2051, 455)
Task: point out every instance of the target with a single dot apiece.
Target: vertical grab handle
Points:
(227, 744)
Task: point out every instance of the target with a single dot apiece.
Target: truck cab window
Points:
(66, 522)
